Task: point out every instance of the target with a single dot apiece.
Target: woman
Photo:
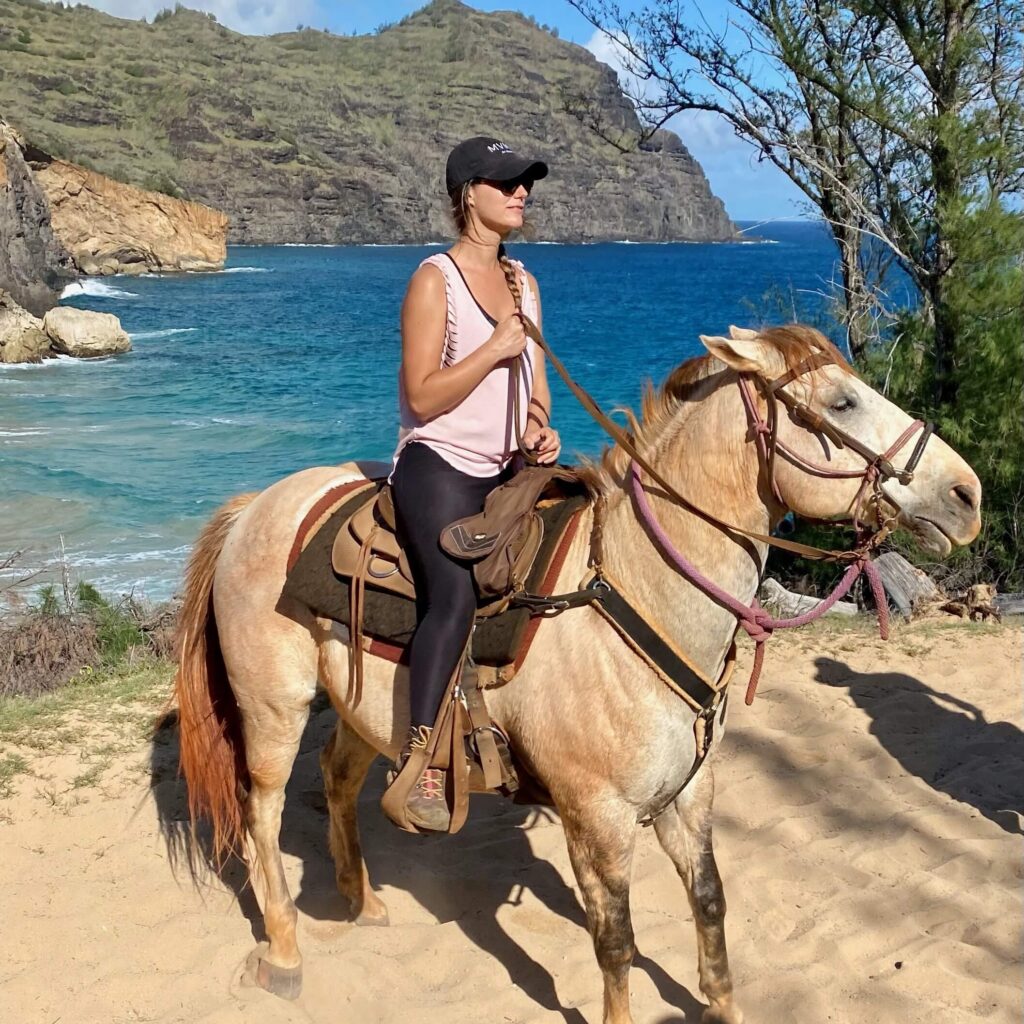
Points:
(461, 332)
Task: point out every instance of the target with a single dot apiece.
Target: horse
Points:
(611, 742)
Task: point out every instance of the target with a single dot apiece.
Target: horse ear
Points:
(741, 354)
(742, 333)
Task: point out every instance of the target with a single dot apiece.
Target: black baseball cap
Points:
(484, 157)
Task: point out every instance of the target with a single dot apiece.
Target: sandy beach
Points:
(867, 830)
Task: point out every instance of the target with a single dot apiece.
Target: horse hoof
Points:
(723, 1013)
(377, 919)
(284, 982)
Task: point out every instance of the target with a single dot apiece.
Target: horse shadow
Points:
(941, 738)
(453, 878)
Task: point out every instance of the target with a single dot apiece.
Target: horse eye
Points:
(844, 404)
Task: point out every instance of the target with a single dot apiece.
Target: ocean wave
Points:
(25, 432)
(9, 371)
(165, 333)
(244, 270)
(197, 424)
(129, 557)
(98, 289)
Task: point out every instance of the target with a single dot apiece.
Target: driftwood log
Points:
(908, 587)
(787, 605)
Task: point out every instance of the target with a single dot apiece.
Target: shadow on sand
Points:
(464, 878)
(941, 738)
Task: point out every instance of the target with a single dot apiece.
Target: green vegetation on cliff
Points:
(309, 136)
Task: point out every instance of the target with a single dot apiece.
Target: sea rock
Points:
(34, 265)
(85, 333)
(113, 228)
(22, 339)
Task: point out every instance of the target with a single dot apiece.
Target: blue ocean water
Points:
(288, 358)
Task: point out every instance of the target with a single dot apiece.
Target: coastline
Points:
(242, 375)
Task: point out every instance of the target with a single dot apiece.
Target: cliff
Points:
(34, 266)
(110, 227)
(311, 137)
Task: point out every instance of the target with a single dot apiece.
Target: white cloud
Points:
(252, 17)
(611, 52)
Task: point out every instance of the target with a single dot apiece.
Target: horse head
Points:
(834, 448)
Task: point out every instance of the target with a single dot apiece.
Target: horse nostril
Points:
(966, 494)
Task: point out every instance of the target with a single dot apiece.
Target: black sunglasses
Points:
(509, 187)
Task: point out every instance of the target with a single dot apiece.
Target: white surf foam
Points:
(165, 333)
(96, 288)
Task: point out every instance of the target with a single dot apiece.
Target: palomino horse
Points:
(611, 742)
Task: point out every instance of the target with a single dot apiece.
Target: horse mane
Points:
(658, 407)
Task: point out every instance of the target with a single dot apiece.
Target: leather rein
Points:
(755, 620)
(878, 469)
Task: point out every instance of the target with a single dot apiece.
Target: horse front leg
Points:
(684, 831)
(600, 838)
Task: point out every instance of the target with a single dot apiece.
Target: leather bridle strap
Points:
(878, 468)
(624, 442)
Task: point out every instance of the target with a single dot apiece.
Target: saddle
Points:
(517, 542)
(502, 541)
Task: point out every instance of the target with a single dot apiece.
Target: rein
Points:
(879, 468)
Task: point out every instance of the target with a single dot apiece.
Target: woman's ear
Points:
(744, 355)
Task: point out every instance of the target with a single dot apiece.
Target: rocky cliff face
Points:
(34, 266)
(110, 227)
(311, 137)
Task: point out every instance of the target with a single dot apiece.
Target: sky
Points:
(750, 190)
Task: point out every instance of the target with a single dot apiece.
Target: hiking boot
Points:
(426, 807)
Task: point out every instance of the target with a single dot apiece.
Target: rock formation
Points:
(22, 338)
(312, 137)
(34, 266)
(25, 338)
(85, 333)
(113, 228)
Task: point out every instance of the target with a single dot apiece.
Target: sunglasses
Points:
(509, 187)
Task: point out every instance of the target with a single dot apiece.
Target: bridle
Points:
(879, 466)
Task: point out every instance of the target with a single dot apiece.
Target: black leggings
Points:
(429, 494)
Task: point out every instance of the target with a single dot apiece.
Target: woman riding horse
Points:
(462, 332)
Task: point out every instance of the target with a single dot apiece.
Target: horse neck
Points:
(703, 453)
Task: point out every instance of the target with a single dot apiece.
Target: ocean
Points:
(288, 358)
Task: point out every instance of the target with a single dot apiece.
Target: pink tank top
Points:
(477, 436)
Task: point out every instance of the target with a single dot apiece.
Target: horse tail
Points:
(212, 757)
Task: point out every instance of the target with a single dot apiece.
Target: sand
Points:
(867, 829)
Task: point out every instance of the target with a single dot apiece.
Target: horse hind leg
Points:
(601, 851)
(344, 761)
(272, 735)
(684, 831)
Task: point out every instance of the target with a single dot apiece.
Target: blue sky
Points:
(750, 191)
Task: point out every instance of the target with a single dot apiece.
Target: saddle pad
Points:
(389, 619)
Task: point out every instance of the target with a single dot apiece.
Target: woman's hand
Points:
(543, 442)
(508, 339)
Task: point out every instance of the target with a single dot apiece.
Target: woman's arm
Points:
(430, 388)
